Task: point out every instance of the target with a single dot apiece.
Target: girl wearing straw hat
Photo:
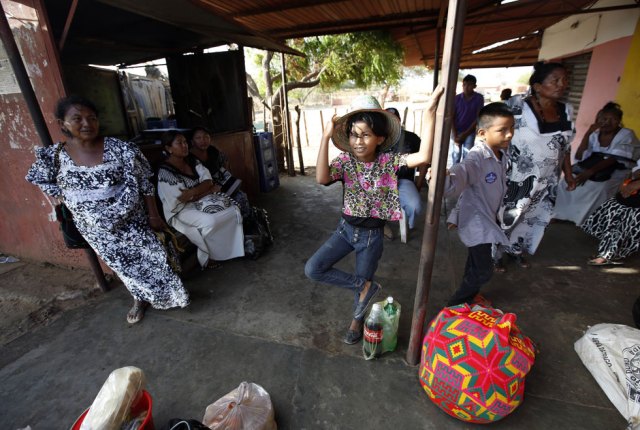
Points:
(370, 196)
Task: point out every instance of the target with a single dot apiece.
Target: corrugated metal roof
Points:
(412, 22)
(126, 31)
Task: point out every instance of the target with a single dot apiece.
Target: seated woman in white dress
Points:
(210, 220)
(616, 148)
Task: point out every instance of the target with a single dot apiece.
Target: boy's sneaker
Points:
(481, 300)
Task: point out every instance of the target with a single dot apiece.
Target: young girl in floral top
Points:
(370, 196)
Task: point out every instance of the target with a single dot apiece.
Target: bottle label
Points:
(372, 336)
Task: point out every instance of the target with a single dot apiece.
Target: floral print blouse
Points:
(370, 189)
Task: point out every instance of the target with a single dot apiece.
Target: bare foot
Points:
(136, 313)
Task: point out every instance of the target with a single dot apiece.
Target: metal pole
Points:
(287, 120)
(22, 77)
(450, 64)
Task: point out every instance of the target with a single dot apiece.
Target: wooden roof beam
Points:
(349, 26)
(291, 5)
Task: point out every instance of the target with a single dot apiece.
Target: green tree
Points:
(365, 59)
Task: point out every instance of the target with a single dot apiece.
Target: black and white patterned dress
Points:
(536, 153)
(617, 226)
(107, 202)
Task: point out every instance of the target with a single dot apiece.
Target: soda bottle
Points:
(390, 340)
(390, 307)
(373, 333)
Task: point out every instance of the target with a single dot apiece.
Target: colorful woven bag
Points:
(474, 363)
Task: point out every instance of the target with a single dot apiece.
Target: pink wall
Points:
(603, 78)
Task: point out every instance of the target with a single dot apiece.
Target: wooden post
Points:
(97, 269)
(306, 129)
(436, 62)
(450, 64)
(299, 141)
(286, 125)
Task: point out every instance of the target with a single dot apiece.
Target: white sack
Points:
(611, 352)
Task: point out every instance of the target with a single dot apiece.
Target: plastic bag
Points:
(390, 327)
(611, 352)
(248, 407)
(112, 405)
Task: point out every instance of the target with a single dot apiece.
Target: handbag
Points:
(633, 201)
(595, 158)
(70, 234)
(257, 233)
(214, 203)
(170, 244)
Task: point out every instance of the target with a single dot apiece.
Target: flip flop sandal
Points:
(213, 265)
(499, 267)
(523, 263)
(136, 313)
(601, 261)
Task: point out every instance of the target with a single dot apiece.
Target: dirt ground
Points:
(35, 294)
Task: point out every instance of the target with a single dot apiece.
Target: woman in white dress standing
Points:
(614, 150)
(210, 220)
(539, 151)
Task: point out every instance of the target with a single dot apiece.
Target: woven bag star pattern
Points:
(474, 363)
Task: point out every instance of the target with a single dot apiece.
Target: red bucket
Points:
(144, 403)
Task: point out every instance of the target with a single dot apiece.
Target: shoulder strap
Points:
(56, 157)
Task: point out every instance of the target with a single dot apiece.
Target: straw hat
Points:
(340, 136)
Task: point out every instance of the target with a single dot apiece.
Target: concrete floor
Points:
(263, 321)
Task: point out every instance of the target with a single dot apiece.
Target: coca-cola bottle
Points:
(373, 333)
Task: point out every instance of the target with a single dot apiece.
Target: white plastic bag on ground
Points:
(611, 352)
(248, 407)
(112, 405)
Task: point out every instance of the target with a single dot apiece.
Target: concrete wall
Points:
(28, 228)
(580, 33)
(629, 89)
(605, 70)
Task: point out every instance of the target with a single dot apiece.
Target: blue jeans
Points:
(459, 153)
(410, 200)
(366, 242)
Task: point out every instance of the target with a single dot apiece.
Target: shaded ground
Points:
(35, 294)
(263, 321)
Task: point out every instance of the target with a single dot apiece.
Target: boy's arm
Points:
(459, 177)
(322, 164)
(426, 140)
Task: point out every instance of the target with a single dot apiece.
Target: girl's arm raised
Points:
(322, 164)
(426, 143)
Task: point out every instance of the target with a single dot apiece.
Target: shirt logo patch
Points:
(490, 178)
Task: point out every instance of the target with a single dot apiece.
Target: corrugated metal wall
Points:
(577, 69)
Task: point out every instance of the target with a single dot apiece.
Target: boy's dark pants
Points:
(477, 272)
